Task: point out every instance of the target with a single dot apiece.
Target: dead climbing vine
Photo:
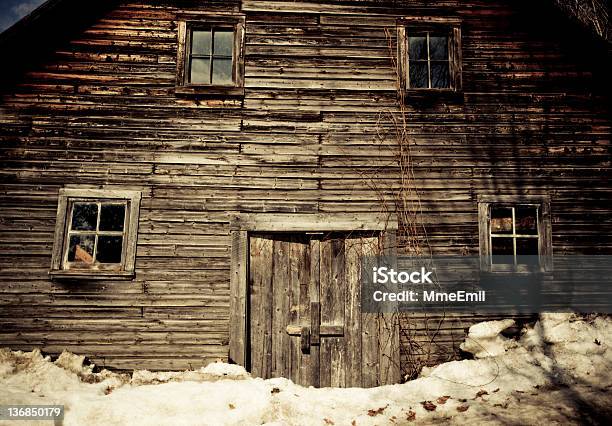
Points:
(397, 190)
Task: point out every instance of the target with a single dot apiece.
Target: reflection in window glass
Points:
(96, 234)
(514, 234)
(200, 43)
(200, 71)
(428, 61)
(419, 75)
(501, 220)
(526, 220)
(222, 71)
(81, 249)
(440, 77)
(417, 48)
(224, 43)
(84, 216)
(211, 57)
(438, 48)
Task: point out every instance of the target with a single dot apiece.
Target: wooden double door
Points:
(304, 320)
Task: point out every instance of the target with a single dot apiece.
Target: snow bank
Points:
(555, 370)
(484, 339)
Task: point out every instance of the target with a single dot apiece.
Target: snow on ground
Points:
(558, 372)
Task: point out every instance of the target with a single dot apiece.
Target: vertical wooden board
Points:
(260, 280)
(305, 373)
(314, 295)
(280, 310)
(238, 290)
(370, 329)
(388, 332)
(389, 326)
(333, 300)
(296, 255)
(327, 300)
(338, 352)
(352, 323)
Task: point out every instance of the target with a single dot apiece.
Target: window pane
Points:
(112, 217)
(81, 248)
(527, 246)
(200, 71)
(84, 217)
(418, 74)
(501, 220)
(417, 48)
(527, 251)
(440, 78)
(200, 43)
(222, 71)
(109, 249)
(224, 43)
(502, 250)
(526, 220)
(438, 48)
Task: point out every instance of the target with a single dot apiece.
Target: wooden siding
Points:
(533, 118)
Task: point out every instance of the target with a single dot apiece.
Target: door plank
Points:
(326, 312)
(353, 364)
(314, 296)
(260, 277)
(295, 344)
(304, 374)
(370, 329)
(280, 339)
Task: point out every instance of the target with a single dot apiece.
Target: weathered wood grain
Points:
(311, 136)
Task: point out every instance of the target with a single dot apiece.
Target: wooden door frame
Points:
(243, 224)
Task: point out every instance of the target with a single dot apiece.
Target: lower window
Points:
(515, 236)
(96, 233)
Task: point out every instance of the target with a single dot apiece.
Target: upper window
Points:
(515, 236)
(428, 61)
(430, 57)
(95, 233)
(210, 58)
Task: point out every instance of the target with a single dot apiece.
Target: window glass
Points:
(502, 250)
(417, 48)
(224, 43)
(438, 48)
(84, 217)
(418, 75)
(514, 234)
(211, 58)
(440, 77)
(200, 43)
(94, 240)
(81, 249)
(112, 217)
(109, 249)
(501, 220)
(200, 71)
(428, 61)
(222, 71)
(527, 220)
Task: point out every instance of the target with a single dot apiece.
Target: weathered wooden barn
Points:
(183, 181)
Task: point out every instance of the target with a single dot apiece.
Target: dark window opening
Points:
(428, 61)
(514, 234)
(95, 234)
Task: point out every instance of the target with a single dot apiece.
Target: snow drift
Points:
(558, 371)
